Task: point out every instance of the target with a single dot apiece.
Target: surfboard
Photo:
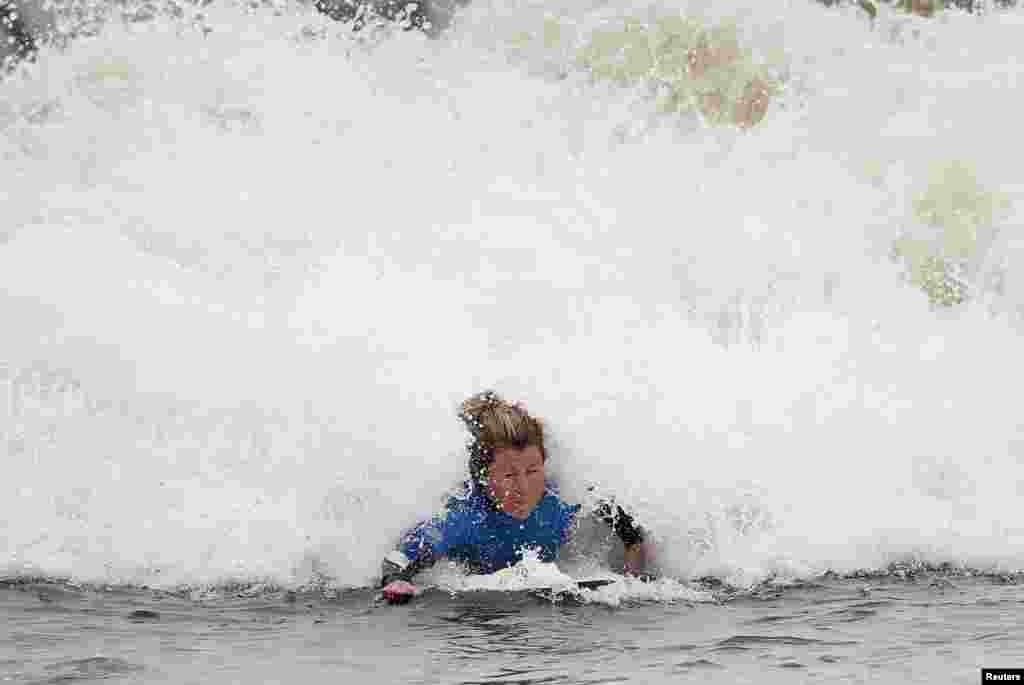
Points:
(593, 584)
(573, 590)
(560, 592)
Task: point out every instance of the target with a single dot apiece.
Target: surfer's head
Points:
(506, 452)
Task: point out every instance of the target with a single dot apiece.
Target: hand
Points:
(398, 592)
(635, 560)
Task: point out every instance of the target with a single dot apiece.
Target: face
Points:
(515, 480)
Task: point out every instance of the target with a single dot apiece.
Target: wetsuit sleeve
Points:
(621, 522)
(424, 544)
(418, 549)
(397, 566)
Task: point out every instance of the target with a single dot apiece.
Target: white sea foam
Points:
(248, 272)
(547, 579)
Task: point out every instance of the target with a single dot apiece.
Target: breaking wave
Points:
(759, 269)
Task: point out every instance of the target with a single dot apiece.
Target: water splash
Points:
(251, 263)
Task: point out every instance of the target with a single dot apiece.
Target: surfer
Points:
(507, 506)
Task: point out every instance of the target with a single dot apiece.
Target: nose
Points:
(518, 483)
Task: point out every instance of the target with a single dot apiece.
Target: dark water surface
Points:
(926, 630)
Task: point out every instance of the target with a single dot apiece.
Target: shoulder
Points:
(468, 506)
(553, 502)
(463, 496)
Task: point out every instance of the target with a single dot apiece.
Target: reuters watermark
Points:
(1002, 675)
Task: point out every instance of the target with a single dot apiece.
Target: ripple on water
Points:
(991, 636)
(791, 664)
(774, 619)
(876, 604)
(90, 668)
(683, 647)
(526, 681)
(698, 664)
(748, 641)
(142, 615)
(850, 615)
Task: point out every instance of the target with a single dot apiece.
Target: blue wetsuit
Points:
(473, 532)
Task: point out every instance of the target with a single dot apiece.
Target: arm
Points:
(631, 534)
(635, 560)
(397, 566)
(418, 549)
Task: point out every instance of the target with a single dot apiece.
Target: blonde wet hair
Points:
(495, 424)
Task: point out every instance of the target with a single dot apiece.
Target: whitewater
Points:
(758, 266)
